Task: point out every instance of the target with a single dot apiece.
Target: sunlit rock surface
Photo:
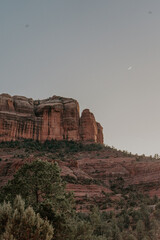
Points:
(52, 118)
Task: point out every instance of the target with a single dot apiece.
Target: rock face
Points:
(89, 128)
(52, 118)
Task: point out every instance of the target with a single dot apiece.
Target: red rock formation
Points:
(90, 130)
(52, 118)
(17, 118)
(99, 133)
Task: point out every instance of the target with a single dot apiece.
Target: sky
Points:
(103, 53)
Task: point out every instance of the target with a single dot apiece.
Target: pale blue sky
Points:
(104, 53)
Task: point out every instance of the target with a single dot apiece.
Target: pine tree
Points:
(83, 231)
(35, 182)
(40, 184)
(131, 237)
(20, 223)
(140, 229)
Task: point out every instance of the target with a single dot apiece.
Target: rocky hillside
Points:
(52, 118)
(95, 173)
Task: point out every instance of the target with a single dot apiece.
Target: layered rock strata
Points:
(52, 118)
(90, 175)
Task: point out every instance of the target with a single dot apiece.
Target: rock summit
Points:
(53, 118)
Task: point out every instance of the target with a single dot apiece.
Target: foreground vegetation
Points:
(34, 204)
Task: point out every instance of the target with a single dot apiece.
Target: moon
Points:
(129, 68)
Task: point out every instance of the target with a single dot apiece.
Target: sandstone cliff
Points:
(52, 118)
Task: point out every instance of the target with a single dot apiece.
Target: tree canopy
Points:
(40, 184)
(18, 222)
